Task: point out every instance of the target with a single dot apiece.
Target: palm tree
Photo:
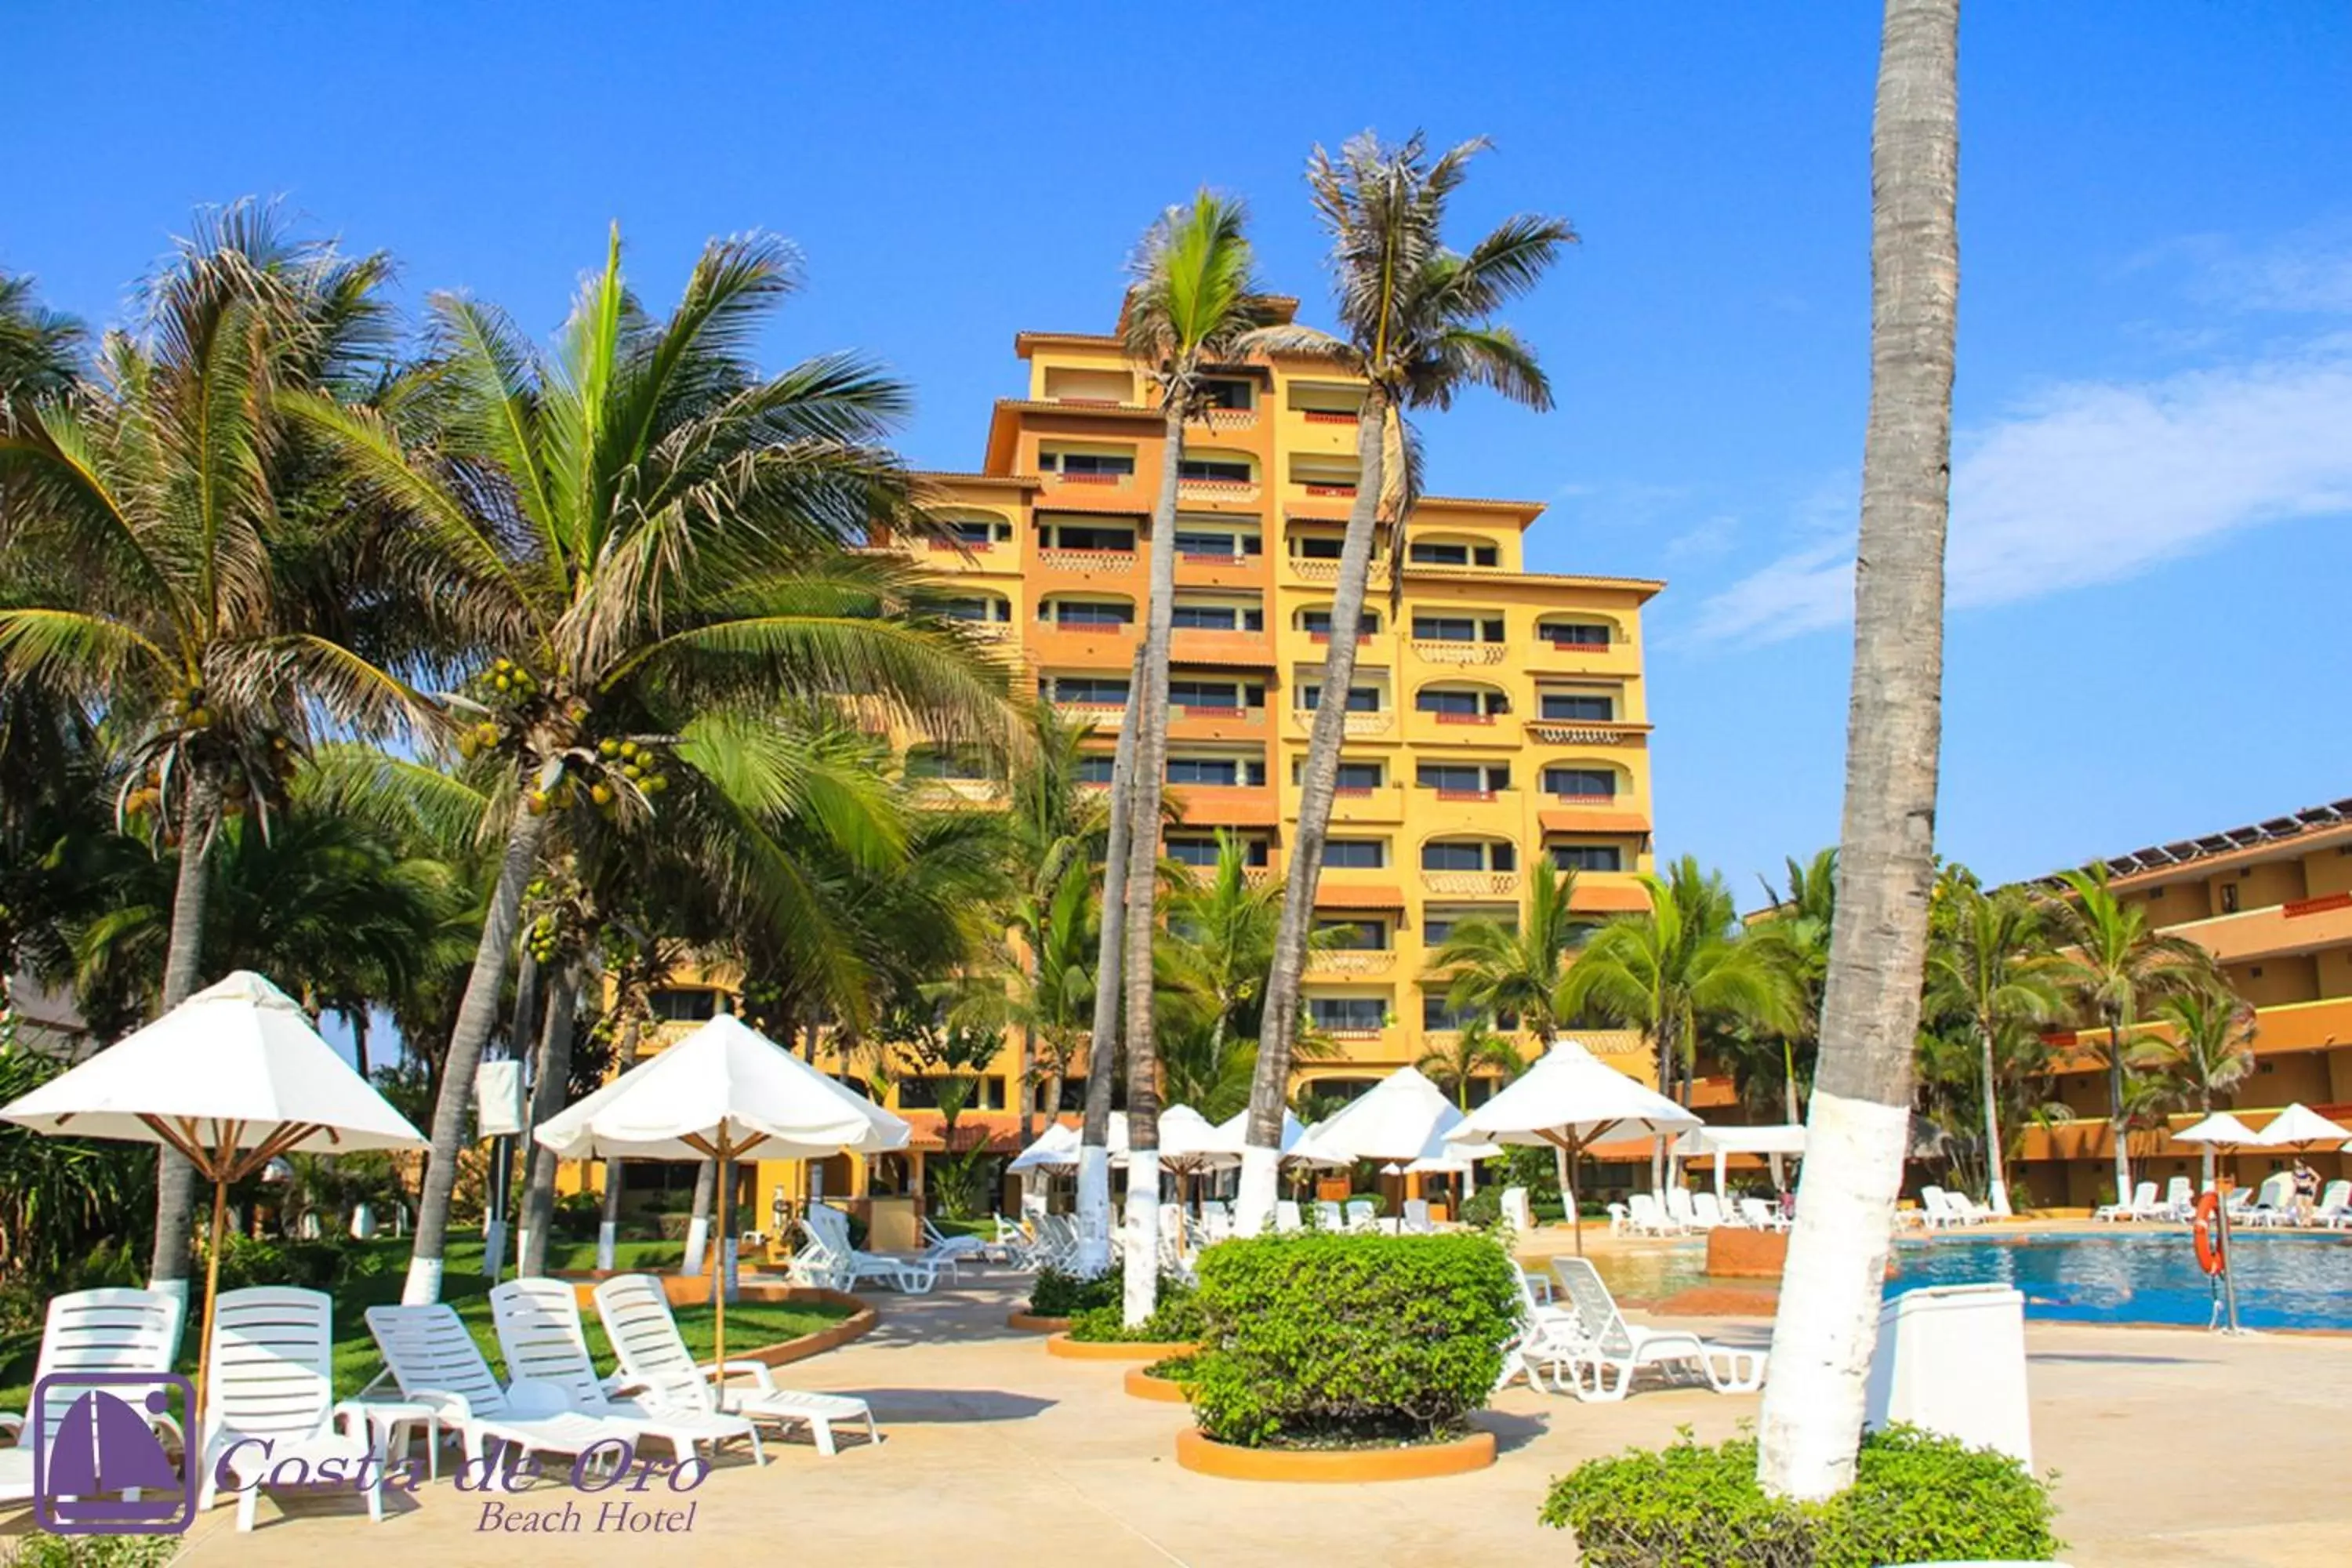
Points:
(1520, 968)
(1798, 937)
(634, 531)
(41, 348)
(1989, 968)
(1416, 325)
(2211, 1048)
(1192, 299)
(1859, 1120)
(1476, 1050)
(170, 554)
(1676, 969)
(1057, 824)
(2117, 968)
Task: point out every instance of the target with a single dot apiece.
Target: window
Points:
(1467, 855)
(2228, 897)
(1460, 703)
(683, 1004)
(1094, 767)
(1100, 464)
(1443, 554)
(1205, 617)
(967, 609)
(983, 1093)
(978, 533)
(1465, 778)
(1235, 393)
(1360, 775)
(1440, 924)
(1578, 705)
(1588, 857)
(1092, 613)
(945, 766)
(1580, 784)
(1317, 623)
(1094, 690)
(1193, 543)
(1204, 694)
(1193, 851)
(1361, 699)
(1355, 936)
(1573, 633)
(1087, 536)
(1438, 1014)
(1457, 628)
(1316, 548)
(1216, 471)
(1359, 1015)
(1219, 772)
(1356, 854)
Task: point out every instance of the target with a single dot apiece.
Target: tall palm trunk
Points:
(1102, 1045)
(1996, 1179)
(2116, 1121)
(551, 1085)
(1320, 777)
(167, 1265)
(608, 1228)
(697, 1222)
(1823, 1334)
(498, 1203)
(1023, 1080)
(1148, 716)
(477, 1015)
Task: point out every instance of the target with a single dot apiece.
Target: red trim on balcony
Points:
(1094, 479)
(1197, 710)
(1330, 489)
(1208, 558)
(1466, 795)
(1464, 718)
(2317, 906)
(1328, 416)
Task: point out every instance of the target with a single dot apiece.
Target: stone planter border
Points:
(1162, 1390)
(1069, 1349)
(1029, 1324)
(1196, 1451)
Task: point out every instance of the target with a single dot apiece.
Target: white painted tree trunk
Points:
(1261, 1190)
(608, 1235)
(1996, 1184)
(1143, 1250)
(1094, 1210)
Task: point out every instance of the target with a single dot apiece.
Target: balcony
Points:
(1430, 650)
(1471, 884)
(1213, 806)
(1218, 492)
(1349, 961)
(1085, 483)
(1358, 726)
(1089, 562)
(1251, 650)
(1209, 570)
(1368, 803)
(2272, 931)
(1322, 572)
(1586, 732)
(1582, 658)
(1081, 646)
(1106, 716)
(1207, 721)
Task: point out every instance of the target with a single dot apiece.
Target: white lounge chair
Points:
(1363, 1214)
(1416, 1218)
(2334, 1210)
(541, 1338)
(2141, 1202)
(1680, 1212)
(1547, 1337)
(950, 1251)
(1762, 1214)
(654, 1361)
(2179, 1200)
(1647, 1216)
(829, 1228)
(1707, 1211)
(1014, 1243)
(1620, 1218)
(273, 1383)
(1612, 1345)
(1328, 1215)
(1287, 1217)
(2273, 1203)
(108, 1331)
(433, 1360)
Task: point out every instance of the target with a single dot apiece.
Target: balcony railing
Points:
(1220, 712)
(1302, 721)
(1087, 560)
(1553, 732)
(1446, 718)
(1325, 568)
(1471, 884)
(1219, 489)
(1437, 651)
(1349, 961)
(1090, 479)
(1341, 491)
(1330, 416)
(1473, 797)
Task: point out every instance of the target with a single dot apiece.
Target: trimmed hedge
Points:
(1325, 1341)
(1176, 1320)
(1916, 1497)
(1060, 1295)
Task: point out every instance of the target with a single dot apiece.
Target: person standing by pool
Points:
(2306, 1191)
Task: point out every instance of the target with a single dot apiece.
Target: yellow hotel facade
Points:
(1498, 714)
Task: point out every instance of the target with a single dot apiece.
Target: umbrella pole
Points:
(718, 1289)
(212, 1294)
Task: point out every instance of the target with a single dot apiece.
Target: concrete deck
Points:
(2174, 1449)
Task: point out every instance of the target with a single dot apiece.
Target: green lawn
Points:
(356, 1361)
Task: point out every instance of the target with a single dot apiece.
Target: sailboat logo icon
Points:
(99, 1467)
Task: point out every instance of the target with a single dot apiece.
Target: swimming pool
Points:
(2285, 1280)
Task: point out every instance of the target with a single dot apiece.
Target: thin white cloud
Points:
(2094, 482)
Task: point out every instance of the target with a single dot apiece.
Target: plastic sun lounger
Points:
(273, 1383)
(541, 1338)
(1612, 1346)
(436, 1364)
(107, 1330)
(654, 1361)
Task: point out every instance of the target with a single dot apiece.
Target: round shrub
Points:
(1325, 1341)
(1060, 1295)
(1916, 1497)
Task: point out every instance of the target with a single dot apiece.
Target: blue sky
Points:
(2154, 473)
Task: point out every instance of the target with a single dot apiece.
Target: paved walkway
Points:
(2174, 1449)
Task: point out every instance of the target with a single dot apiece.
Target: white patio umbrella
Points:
(232, 1078)
(1568, 1101)
(1190, 1142)
(1055, 1147)
(1403, 1118)
(2300, 1127)
(1232, 1132)
(2223, 1134)
(722, 1092)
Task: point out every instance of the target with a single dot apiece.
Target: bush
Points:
(1175, 1320)
(247, 1260)
(1324, 1341)
(1916, 1496)
(38, 1550)
(1482, 1208)
(1060, 1295)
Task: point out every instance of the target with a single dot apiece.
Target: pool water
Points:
(2284, 1281)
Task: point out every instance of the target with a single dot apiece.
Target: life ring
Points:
(2205, 1227)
